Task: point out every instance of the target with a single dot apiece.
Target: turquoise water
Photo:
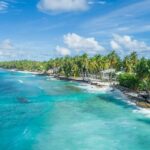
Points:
(41, 113)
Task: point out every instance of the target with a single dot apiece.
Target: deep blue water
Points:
(41, 113)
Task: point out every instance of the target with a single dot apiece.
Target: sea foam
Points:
(144, 111)
(94, 89)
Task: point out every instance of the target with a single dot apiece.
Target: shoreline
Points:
(70, 79)
(131, 95)
(25, 71)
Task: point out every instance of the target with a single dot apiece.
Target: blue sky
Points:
(43, 29)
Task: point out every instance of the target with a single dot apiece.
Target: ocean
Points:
(42, 113)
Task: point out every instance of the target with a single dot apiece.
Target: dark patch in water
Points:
(110, 99)
(146, 121)
(22, 100)
(73, 88)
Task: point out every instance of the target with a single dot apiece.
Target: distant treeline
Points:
(135, 72)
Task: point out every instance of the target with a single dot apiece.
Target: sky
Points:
(44, 29)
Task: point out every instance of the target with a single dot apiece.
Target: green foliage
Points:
(143, 69)
(137, 71)
(24, 65)
(114, 60)
(128, 80)
(144, 85)
(130, 62)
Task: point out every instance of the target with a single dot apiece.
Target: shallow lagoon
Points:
(41, 113)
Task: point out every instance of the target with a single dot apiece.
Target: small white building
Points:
(52, 71)
(108, 74)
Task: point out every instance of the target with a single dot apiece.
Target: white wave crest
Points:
(94, 89)
(20, 81)
(51, 78)
(144, 111)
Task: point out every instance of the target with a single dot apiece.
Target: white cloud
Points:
(62, 5)
(79, 43)
(114, 45)
(6, 44)
(6, 47)
(101, 2)
(127, 44)
(63, 51)
(3, 5)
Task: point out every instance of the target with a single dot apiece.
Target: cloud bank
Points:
(62, 5)
(78, 44)
(75, 44)
(6, 44)
(62, 51)
(128, 43)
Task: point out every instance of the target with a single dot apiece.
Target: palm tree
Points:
(127, 64)
(92, 66)
(142, 69)
(83, 65)
(114, 60)
(130, 62)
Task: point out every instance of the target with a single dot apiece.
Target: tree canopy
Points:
(134, 68)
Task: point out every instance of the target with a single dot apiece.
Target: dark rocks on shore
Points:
(143, 104)
(136, 97)
(70, 79)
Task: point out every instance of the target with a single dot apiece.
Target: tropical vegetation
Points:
(134, 71)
